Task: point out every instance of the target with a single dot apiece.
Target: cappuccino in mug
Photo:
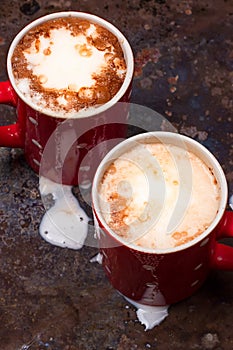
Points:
(158, 196)
(68, 64)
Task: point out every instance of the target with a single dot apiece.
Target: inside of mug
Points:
(127, 51)
(166, 138)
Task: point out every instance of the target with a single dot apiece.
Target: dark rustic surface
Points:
(55, 299)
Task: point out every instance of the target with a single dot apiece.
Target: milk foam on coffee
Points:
(142, 191)
(67, 65)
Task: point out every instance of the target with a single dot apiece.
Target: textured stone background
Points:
(55, 299)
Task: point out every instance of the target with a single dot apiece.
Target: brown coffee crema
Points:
(68, 64)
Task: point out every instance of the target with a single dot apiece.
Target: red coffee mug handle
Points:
(222, 258)
(10, 135)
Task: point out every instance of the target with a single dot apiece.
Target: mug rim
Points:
(126, 48)
(123, 147)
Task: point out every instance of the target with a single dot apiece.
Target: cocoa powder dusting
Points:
(183, 238)
(118, 210)
(107, 81)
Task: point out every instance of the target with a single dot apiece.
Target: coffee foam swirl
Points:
(68, 64)
(140, 192)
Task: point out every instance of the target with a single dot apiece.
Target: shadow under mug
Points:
(59, 148)
(162, 277)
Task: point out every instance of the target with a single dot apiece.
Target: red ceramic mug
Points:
(155, 276)
(56, 147)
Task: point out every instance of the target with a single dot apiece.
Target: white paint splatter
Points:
(149, 316)
(65, 224)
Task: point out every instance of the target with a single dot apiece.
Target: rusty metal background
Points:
(55, 299)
